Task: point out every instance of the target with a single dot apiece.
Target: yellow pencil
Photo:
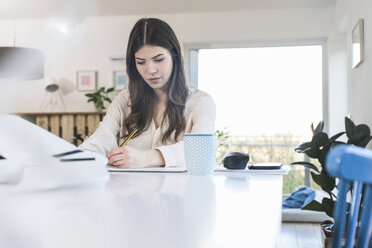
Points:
(129, 137)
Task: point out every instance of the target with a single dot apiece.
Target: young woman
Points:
(158, 103)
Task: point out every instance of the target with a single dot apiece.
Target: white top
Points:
(200, 115)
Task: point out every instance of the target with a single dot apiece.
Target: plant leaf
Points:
(357, 138)
(326, 182)
(349, 127)
(109, 90)
(107, 99)
(319, 127)
(313, 205)
(335, 137)
(302, 147)
(99, 103)
(311, 152)
(363, 128)
(306, 164)
(319, 140)
(328, 205)
(365, 142)
(338, 143)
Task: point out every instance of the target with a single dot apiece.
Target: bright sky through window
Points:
(266, 90)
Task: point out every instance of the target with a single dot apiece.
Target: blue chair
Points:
(353, 166)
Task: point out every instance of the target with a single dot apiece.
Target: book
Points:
(148, 169)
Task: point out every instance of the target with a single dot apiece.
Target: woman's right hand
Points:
(124, 157)
(129, 157)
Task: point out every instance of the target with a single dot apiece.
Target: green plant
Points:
(318, 148)
(222, 134)
(99, 97)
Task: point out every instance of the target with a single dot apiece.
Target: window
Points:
(267, 97)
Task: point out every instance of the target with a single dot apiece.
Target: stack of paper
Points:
(36, 159)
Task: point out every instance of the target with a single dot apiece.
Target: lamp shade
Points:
(21, 63)
(51, 85)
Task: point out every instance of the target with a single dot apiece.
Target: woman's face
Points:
(155, 65)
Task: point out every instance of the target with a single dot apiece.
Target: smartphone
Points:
(265, 166)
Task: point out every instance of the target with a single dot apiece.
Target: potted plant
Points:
(318, 148)
(99, 97)
(222, 135)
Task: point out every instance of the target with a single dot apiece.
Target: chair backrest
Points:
(353, 166)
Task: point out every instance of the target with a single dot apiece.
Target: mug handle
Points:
(228, 149)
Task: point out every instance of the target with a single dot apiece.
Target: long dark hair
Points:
(152, 31)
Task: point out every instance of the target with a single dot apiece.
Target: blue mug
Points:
(200, 153)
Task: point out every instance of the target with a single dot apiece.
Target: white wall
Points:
(359, 79)
(92, 40)
(337, 74)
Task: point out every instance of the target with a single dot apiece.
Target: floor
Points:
(300, 235)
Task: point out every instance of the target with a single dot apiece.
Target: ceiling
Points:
(55, 8)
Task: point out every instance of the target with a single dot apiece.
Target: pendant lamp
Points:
(21, 63)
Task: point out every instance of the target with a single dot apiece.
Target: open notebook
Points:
(150, 169)
(282, 170)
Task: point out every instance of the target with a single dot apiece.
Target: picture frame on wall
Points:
(120, 79)
(358, 43)
(86, 80)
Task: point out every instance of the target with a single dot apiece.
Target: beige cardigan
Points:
(200, 115)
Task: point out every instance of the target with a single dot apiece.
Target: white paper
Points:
(25, 142)
(28, 150)
(10, 172)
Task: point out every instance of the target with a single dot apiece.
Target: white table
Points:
(148, 210)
